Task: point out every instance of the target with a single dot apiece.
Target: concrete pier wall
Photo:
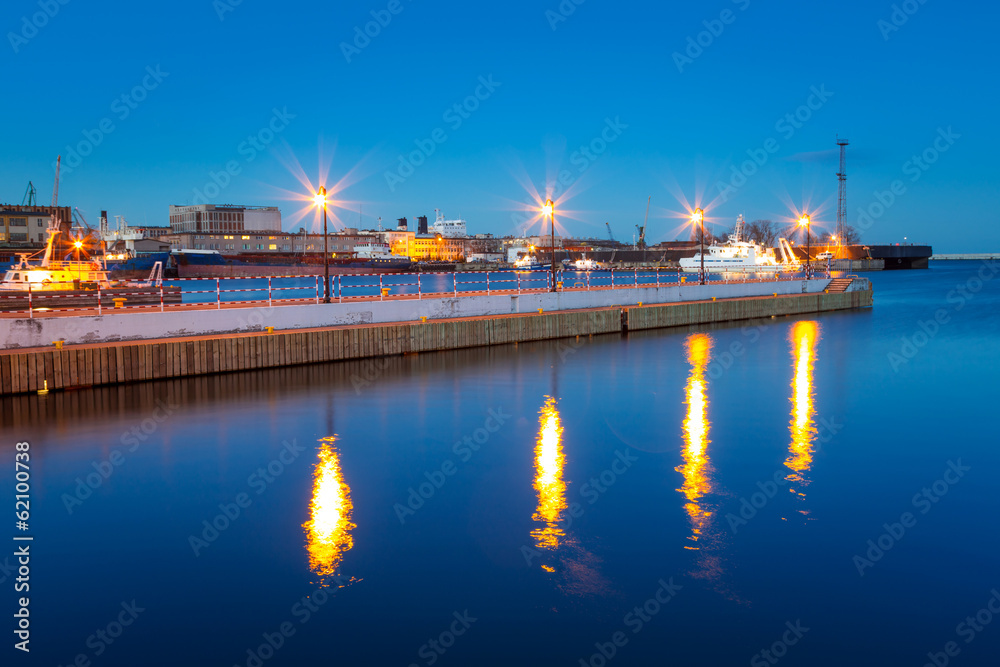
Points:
(43, 331)
(110, 363)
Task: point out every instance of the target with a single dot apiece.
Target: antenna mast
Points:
(842, 191)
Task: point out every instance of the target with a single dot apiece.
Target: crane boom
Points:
(642, 230)
(611, 237)
(55, 188)
(30, 196)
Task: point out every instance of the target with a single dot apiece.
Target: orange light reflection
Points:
(328, 531)
(803, 338)
(549, 462)
(696, 426)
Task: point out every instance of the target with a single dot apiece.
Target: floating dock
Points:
(118, 362)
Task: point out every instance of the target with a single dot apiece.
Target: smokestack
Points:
(401, 224)
(422, 224)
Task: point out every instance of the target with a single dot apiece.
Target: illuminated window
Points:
(273, 246)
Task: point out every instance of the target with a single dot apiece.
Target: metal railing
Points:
(286, 290)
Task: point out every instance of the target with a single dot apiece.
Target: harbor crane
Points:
(611, 237)
(641, 243)
(30, 196)
(55, 188)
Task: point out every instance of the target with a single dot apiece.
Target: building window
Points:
(272, 247)
(18, 222)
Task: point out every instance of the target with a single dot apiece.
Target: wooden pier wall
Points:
(116, 363)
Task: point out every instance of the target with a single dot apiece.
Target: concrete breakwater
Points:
(138, 325)
(28, 370)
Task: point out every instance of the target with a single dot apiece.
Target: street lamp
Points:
(804, 222)
(699, 219)
(320, 200)
(549, 210)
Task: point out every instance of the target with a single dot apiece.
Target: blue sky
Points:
(554, 86)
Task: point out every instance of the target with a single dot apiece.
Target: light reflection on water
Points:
(696, 466)
(328, 531)
(549, 484)
(803, 337)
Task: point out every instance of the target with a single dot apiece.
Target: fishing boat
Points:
(47, 282)
(52, 275)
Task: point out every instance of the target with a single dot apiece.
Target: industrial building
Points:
(253, 243)
(27, 224)
(224, 219)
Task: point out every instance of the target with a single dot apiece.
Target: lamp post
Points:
(549, 210)
(699, 219)
(320, 199)
(804, 222)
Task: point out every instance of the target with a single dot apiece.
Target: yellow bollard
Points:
(539, 311)
(775, 294)
(270, 330)
(423, 318)
(58, 344)
(713, 298)
(640, 304)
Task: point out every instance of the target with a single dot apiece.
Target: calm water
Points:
(574, 490)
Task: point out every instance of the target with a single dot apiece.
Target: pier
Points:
(119, 348)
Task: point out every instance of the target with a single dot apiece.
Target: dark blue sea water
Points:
(820, 488)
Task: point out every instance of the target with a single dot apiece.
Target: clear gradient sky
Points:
(556, 81)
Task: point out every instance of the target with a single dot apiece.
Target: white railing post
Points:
(518, 274)
(612, 278)
(588, 281)
(636, 276)
(218, 295)
(339, 280)
(269, 292)
(454, 277)
(381, 296)
(418, 287)
(161, 296)
(98, 297)
(31, 311)
(487, 283)
(317, 289)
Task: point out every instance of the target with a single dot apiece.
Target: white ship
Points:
(450, 229)
(373, 250)
(738, 255)
(586, 264)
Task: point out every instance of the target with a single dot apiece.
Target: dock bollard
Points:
(775, 294)
(713, 298)
(270, 330)
(58, 344)
(423, 318)
(539, 311)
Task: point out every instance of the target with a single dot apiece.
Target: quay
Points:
(118, 348)
(967, 255)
